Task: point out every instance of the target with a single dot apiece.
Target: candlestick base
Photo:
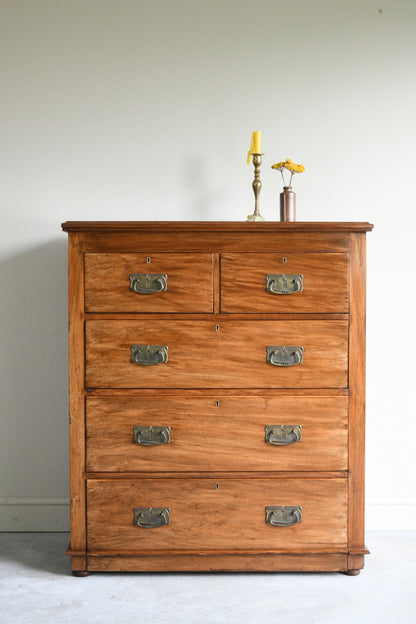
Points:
(255, 217)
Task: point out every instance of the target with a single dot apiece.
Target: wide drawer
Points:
(160, 282)
(275, 282)
(215, 514)
(216, 433)
(207, 355)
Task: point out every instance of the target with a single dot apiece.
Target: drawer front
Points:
(185, 284)
(216, 433)
(215, 514)
(314, 282)
(230, 354)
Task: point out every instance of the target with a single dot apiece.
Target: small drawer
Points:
(278, 282)
(205, 354)
(231, 514)
(147, 434)
(159, 282)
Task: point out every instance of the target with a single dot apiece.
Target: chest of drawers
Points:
(217, 396)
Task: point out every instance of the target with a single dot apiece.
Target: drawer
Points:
(204, 354)
(315, 282)
(215, 514)
(186, 284)
(216, 433)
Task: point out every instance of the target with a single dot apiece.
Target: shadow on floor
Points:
(40, 551)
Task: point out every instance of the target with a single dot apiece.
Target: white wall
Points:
(125, 109)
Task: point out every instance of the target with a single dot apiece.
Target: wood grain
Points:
(214, 241)
(216, 226)
(76, 397)
(201, 356)
(355, 564)
(231, 516)
(258, 474)
(222, 434)
(203, 551)
(255, 392)
(189, 282)
(325, 283)
(220, 563)
(216, 318)
(356, 447)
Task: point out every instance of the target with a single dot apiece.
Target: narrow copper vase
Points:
(287, 204)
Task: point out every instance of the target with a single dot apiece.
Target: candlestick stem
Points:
(256, 216)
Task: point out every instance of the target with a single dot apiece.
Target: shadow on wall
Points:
(33, 373)
(204, 194)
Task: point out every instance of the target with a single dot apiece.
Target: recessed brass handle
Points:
(148, 435)
(151, 517)
(282, 435)
(284, 356)
(148, 283)
(281, 284)
(283, 516)
(149, 355)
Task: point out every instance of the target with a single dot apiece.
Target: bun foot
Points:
(80, 573)
(352, 572)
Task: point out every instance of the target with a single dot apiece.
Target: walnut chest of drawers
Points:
(217, 396)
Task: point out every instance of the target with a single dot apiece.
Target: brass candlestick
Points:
(256, 216)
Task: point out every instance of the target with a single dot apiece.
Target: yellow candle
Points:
(255, 147)
(256, 142)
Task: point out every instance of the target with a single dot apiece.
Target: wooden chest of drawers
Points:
(217, 396)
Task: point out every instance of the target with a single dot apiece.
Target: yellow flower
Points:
(289, 165)
(279, 166)
(293, 166)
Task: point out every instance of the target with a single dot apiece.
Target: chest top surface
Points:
(222, 226)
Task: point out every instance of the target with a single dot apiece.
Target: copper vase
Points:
(287, 204)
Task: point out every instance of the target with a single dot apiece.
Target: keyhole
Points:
(217, 403)
(217, 486)
(148, 259)
(284, 260)
(217, 328)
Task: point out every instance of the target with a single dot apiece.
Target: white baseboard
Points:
(390, 516)
(25, 513)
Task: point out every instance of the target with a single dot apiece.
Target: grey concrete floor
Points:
(36, 586)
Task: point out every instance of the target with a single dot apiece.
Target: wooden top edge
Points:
(213, 226)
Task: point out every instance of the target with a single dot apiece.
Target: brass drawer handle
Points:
(281, 284)
(284, 356)
(149, 355)
(283, 435)
(147, 435)
(148, 283)
(151, 517)
(283, 516)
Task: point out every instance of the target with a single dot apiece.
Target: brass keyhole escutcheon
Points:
(217, 403)
(148, 259)
(217, 486)
(217, 328)
(284, 260)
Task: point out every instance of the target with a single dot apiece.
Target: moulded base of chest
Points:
(221, 562)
